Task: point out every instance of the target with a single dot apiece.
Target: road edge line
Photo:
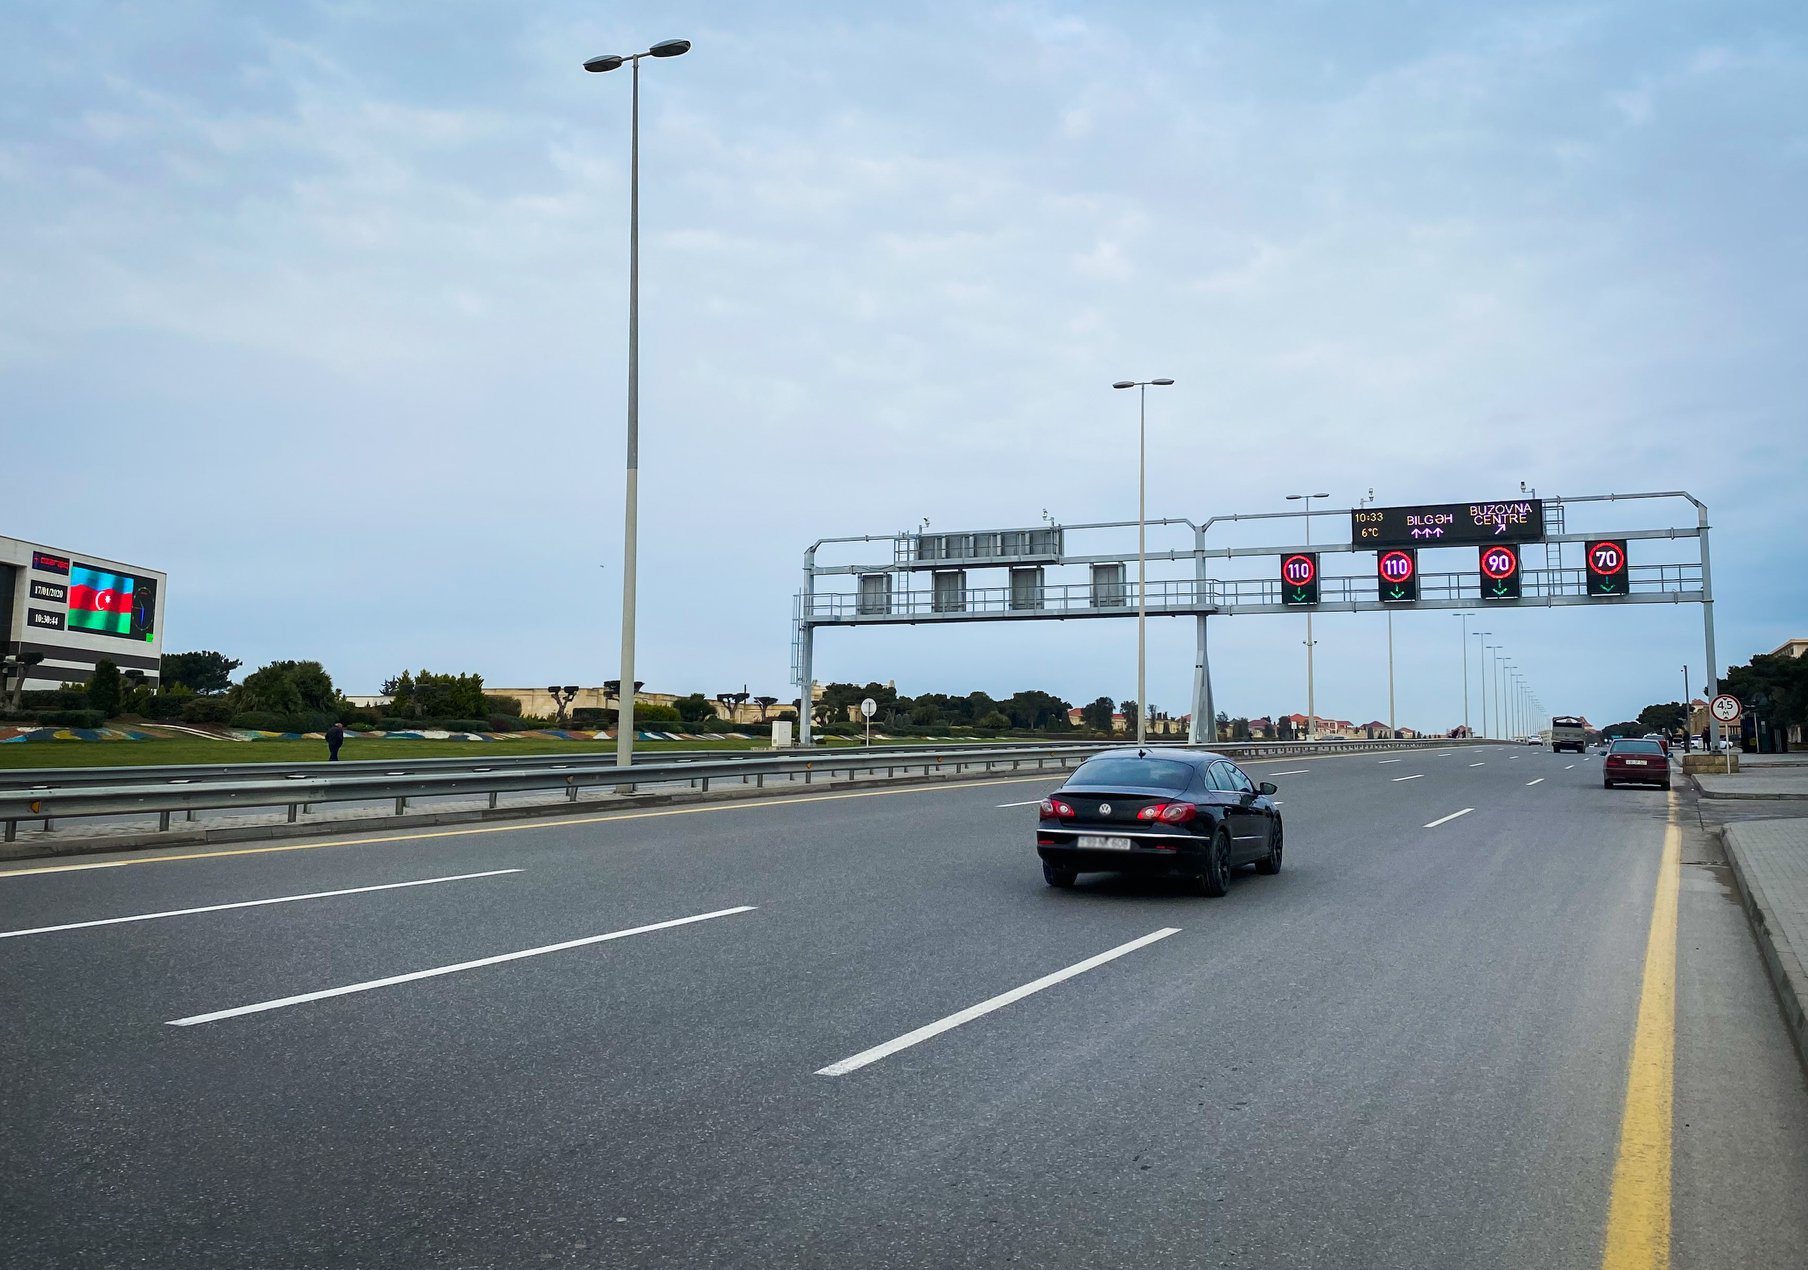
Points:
(1638, 1206)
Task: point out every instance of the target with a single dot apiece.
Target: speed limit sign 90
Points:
(1725, 708)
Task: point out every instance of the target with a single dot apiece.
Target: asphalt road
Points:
(1410, 1048)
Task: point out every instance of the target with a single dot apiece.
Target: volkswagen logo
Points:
(1104, 809)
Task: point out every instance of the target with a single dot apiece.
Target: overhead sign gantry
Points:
(1101, 583)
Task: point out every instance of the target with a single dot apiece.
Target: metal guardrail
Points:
(59, 778)
(163, 797)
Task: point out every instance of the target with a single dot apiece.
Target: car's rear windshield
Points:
(1161, 773)
(1637, 747)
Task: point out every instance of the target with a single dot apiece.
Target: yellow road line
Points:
(1638, 1214)
(783, 800)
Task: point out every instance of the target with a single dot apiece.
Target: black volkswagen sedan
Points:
(1196, 815)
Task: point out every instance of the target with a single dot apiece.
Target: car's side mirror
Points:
(1268, 787)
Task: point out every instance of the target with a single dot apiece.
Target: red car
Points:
(1635, 763)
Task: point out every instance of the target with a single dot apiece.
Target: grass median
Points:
(187, 749)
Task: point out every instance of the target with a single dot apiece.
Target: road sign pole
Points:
(1392, 726)
(1707, 621)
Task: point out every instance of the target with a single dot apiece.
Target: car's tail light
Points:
(1168, 813)
(1055, 807)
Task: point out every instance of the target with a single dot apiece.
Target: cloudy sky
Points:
(321, 308)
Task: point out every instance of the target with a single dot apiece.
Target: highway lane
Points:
(1409, 1048)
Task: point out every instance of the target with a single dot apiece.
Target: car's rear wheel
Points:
(1606, 784)
(1271, 863)
(1213, 878)
(1058, 875)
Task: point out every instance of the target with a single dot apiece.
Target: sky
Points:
(321, 308)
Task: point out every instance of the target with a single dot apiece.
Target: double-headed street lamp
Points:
(1142, 387)
(1311, 701)
(624, 733)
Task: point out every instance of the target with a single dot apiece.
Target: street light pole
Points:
(1142, 556)
(1465, 616)
(1483, 636)
(1311, 694)
(624, 730)
(1688, 719)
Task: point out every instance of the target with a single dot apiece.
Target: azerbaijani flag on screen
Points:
(100, 601)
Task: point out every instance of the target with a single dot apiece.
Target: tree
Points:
(206, 672)
(996, 721)
(694, 708)
(765, 704)
(426, 695)
(923, 714)
(1096, 715)
(104, 688)
(1222, 728)
(1035, 710)
(1283, 728)
(287, 687)
(1774, 686)
(1667, 718)
(1128, 709)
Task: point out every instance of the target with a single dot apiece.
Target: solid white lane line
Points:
(1031, 803)
(1567, 766)
(1292, 771)
(1393, 760)
(1415, 776)
(985, 1007)
(1475, 765)
(281, 899)
(1444, 820)
(369, 984)
(1539, 781)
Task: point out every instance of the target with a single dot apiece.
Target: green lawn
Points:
(196, 750)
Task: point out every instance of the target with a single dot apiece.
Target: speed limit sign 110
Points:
(1725, 708)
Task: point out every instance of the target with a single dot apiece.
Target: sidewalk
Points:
(1771, 776)
(1769, 861)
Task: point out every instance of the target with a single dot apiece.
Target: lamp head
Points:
(608, 62)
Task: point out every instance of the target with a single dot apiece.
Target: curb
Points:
(1787, 977)
(552, 811)
(1742, 795)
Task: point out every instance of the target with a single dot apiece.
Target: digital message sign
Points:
(1607, 570)
(122, 605)
(1500, 572)
(1453, 524)
(1398, 573)
(1299, 578)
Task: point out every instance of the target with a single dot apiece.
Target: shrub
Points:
(463, 725)
(71, 718)
(504, 723)
(650, 713)
(349, 714)
(359, 726)
(161, 707)
(275, 721)
(389, 723)
(206, 710)
(504, 707)
(67, 698)
(597, 717)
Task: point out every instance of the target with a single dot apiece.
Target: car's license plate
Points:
(1636, 762)
(1092, 842)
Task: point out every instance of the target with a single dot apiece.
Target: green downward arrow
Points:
(1606, 588)
(1500, 588)
(1398, 593)
(1299, 597)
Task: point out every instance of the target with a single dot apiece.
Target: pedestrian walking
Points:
(335, 737)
